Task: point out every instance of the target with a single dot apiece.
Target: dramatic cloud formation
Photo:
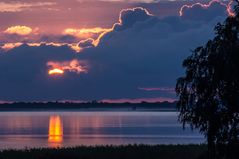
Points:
(138, 58)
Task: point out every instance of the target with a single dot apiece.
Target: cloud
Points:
(85, 33)
(19, 30)
(206, 11)
(25, 72)
(144, 50)
(86, 43)
(18, 6)
(139, 50)
(51, 38)
(5, 47)
(71, 66)
(55, 71)
(29, 35)
(128, 17)
(8, 46)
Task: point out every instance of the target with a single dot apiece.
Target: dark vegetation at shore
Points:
(111, 152)
(94, 105)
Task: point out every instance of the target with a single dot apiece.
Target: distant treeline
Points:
(94, 105)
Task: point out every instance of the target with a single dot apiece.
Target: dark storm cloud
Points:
(141, 51)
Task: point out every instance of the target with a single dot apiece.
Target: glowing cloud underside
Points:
(70, 66)
(55, 71)
(205, 6)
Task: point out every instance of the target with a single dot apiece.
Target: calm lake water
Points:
(58, 129)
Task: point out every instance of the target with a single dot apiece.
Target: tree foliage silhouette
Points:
(209, 91)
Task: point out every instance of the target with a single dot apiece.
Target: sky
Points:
(106, 50)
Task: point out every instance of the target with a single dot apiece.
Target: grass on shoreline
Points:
(111, 152)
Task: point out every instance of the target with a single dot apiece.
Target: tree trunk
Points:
(211, 149)
(211, 145)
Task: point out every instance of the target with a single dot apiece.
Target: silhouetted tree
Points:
(209, 92)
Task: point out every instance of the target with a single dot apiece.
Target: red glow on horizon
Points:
(205, 6)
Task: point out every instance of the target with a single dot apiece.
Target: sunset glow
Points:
(55, 133)
(99, 46)
(78, 75)
(55, 71)
(70, 66)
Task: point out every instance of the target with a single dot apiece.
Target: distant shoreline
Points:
(56, 106)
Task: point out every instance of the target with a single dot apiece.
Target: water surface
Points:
(57, 129)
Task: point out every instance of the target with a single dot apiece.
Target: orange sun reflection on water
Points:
(55, 133)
